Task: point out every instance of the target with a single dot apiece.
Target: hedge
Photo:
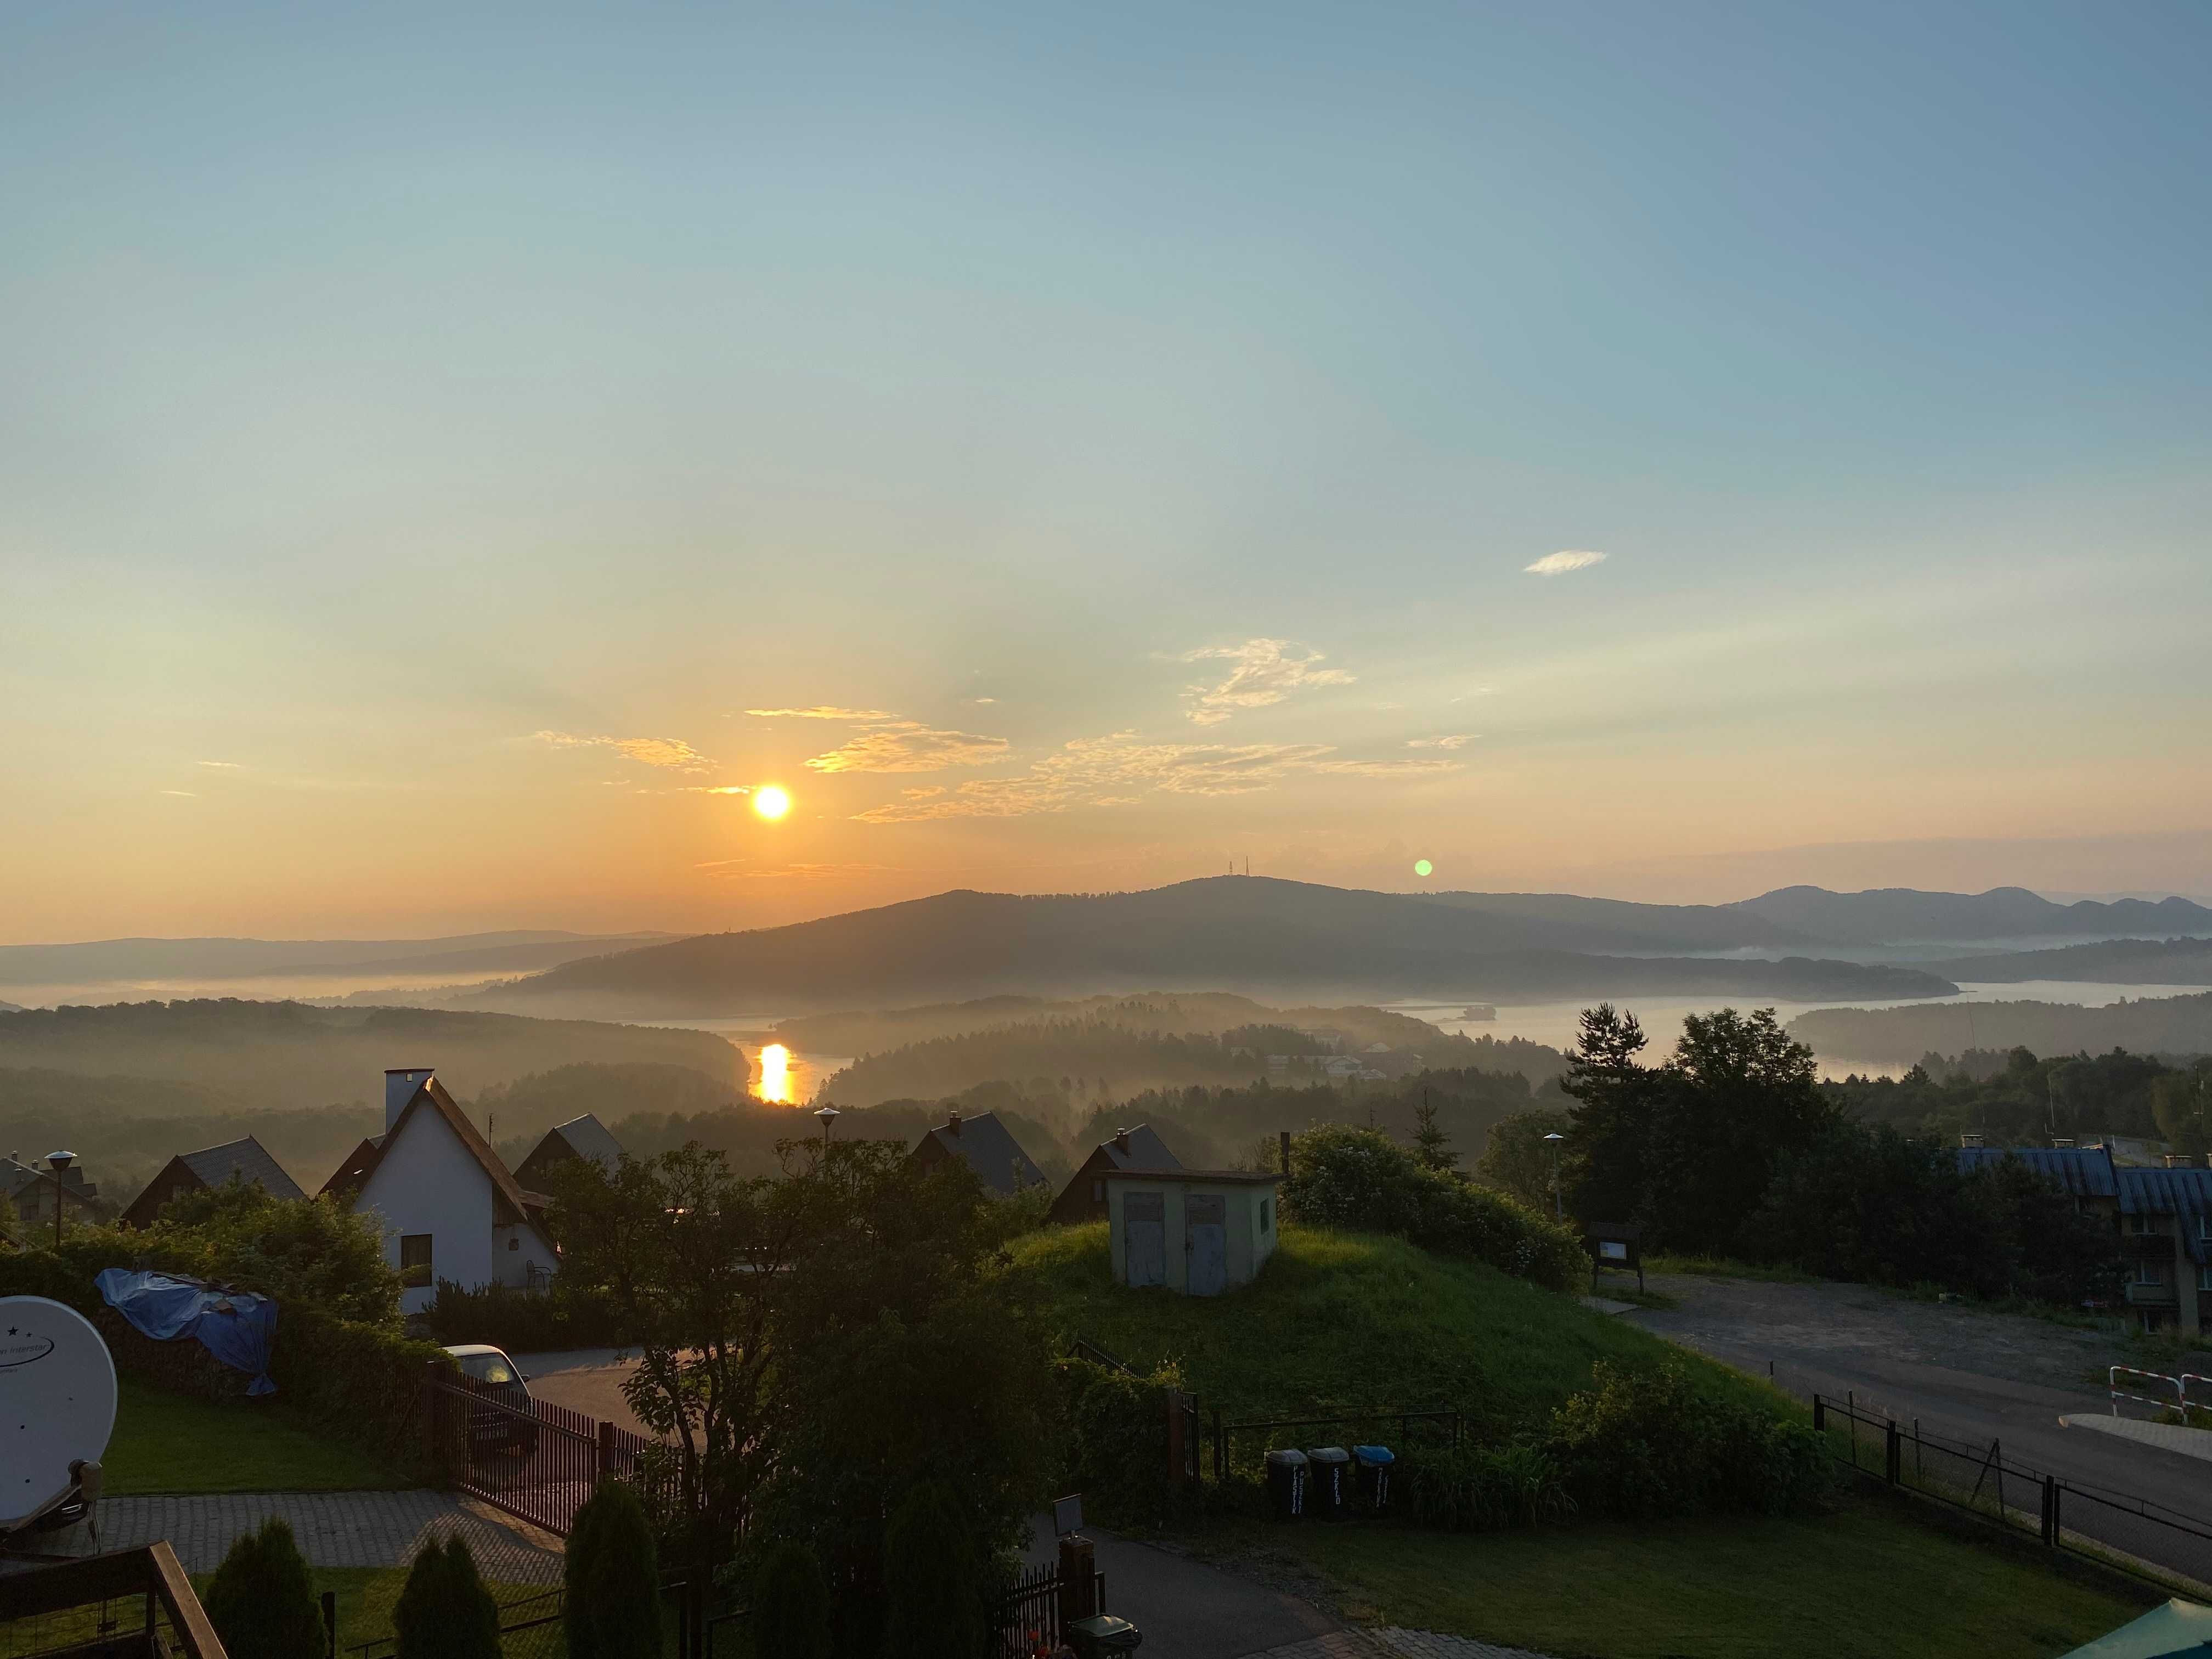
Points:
(1117, 1441)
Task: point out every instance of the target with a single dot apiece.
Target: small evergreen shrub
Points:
(790, 1606)
(933, 1577)
(613, 1576)
(261, 1600)
(1641, 1444)
(444, 1611)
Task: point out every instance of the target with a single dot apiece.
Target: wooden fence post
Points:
(603, 1462)
(1078, 1583)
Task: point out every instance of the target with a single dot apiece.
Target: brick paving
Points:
(335, 1529)
(1428, 1644)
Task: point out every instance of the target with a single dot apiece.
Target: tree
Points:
(791, 1605)
(613, 1576)
(444, 1611)
(1431, 1145)
(261, 1600)
(309, 1251)
(1519, 1160)
(935, 1603)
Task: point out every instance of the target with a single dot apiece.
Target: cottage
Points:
(244, 1161)
(1084, 1198)
(450, 1209)
(985, 1146)
(1223, 1221)
(584, 1137)
(36, 1194)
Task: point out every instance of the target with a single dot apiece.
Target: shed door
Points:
(1205, 1243)
(1144, 1237)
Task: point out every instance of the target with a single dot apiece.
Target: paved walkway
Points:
(1392, 1644)
(334, 1528)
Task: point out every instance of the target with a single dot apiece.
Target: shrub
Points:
(933, 1580)
(444, 1611)
(1641, 1444)
(1118, 1441)
(790, 1606)
(612, 1577)
(261, 1600)
(567, 1316)
(1483, 1488)
(1362, 1179)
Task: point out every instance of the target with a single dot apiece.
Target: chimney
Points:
(952, 1120)
(1972, 1138)
(401, 1087)
(1121, 1140)
(2183, 1161)
(1286, 1151)
(2061, 1144)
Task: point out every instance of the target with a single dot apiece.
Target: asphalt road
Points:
(1969, 1375)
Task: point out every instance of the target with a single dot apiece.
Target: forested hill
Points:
(287, 1054)
(2114, 962)
(2150, 1025)
(1270, 939)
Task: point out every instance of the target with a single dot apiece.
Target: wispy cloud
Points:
(1456, 740)
(1102, 771)
(717, 789)
(1266, 672)
(1557, 564)
(746, 870)
(909, 746)
(824, 712)
(221, 766)
(982, 702)
(923, 794)
(669, 753)
(189, 794)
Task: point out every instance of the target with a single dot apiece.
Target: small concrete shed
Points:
(1199, 1231)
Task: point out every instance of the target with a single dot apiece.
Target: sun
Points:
(770, 802)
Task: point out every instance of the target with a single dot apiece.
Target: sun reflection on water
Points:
(775, 1080)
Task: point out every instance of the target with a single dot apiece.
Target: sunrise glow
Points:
(771, 803)
(775, 1074)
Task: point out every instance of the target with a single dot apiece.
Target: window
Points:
(489, 1369)
(2150, 1272)
(2204, 1279)
(2145, 1224)
(414, 1260)
(2204, 1228)
(1267, 1219)
(513, 1243)
(1097, 1192)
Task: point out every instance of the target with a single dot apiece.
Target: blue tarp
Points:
(236, 1327)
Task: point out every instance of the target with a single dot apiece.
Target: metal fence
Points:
(536, 1460)
(1242, 1447)
(1028, 1621)
(2119, 1528)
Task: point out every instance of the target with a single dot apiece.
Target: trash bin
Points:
(1374, 1464)
(1286, 1484)
(1330, 1469)
(1102, 1637)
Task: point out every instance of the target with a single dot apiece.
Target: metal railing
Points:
(2119, 1528)
(1028, 1619)
(536, 1460)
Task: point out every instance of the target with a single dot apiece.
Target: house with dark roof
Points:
(449, 1208)
(985, 1146)
(36, 1194)
(1084, 1198)
(584, 1137)
(244, 1161)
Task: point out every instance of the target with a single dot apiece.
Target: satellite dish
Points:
(56, 1404)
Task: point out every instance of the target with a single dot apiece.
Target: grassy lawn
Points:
(1350, 1319)
(173, 1442)
(1866, 1580)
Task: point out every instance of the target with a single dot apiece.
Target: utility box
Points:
(1199, 1231)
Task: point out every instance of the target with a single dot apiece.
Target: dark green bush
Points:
(1482, 1488)
(1643, 1444)
(790, 1606)
(444, 1611)
(1117, 1441)
(566, 1316)
(1362, 1179)
(935, 1580)
(613, 1576)
(261, 1600)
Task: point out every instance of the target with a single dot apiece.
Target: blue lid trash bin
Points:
(1102, 1637)
(1286, 1484)
(1328, 1474)
(1374, 1463)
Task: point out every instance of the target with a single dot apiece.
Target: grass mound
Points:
(1341, 1320)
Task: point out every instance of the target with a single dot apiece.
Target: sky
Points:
(450, 455)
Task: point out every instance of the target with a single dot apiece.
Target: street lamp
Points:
(59, 1163)
(1553, 1141)
(825, 1117)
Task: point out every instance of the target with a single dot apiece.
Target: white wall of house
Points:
(427, 1182)
(517, 1252)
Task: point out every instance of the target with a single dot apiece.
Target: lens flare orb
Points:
(1423, 867)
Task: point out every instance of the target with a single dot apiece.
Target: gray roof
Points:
(15, 1178)
(1146, 1151)
(248, 1161)
(588, 1138)
(2081, 1171)
(988, 1147)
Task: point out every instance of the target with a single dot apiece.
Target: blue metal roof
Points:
(2185, 1194)
(2081, 1171)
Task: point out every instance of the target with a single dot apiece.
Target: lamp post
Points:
(825, 1117)
(58, 1163)
(1553, 1141)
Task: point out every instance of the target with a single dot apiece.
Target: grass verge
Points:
(1722, 1266)
(1341, 1320)
(366, 1597)
(1866, 1579)
(174, 1443)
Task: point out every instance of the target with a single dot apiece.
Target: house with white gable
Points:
(449, 1208)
